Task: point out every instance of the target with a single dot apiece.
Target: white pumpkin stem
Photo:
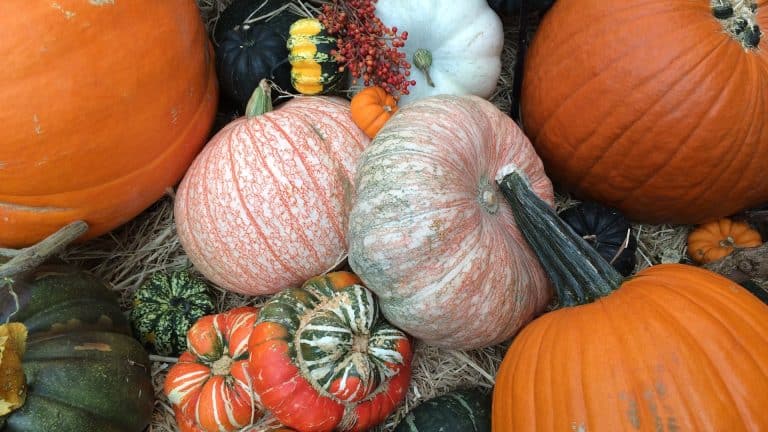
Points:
(31, 257)
(260, 101)
(422, 59)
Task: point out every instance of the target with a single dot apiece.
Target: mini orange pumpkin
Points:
(210, 387)
(371, 108)
(714, 240)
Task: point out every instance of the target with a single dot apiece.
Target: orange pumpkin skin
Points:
(89, 132)
(210, 387)
(714, 240)
(371, 108)
(674, 348)
(263, 206)
(662, 119)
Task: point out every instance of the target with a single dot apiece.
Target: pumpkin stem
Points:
(31, 257)
(422, 59)
(579, 274)
(260, 101)
(223, 365)
(738, 18)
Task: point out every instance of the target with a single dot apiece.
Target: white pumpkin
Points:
(464, 38)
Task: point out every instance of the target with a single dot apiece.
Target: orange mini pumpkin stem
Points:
(577, 271)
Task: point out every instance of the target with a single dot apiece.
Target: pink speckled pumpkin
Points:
(264, 206)
(431, 234)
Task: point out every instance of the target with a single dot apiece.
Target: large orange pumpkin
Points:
(673, 348)
(105, 104)
(428, 231)
(656, 108)
(264, 205)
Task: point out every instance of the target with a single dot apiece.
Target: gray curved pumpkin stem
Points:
(26, 259)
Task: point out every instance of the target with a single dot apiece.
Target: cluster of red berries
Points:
(366, 47)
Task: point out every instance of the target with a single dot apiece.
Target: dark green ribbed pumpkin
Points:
(240, 12)
(84, 371)
(248, 54)
(512, 7)
(165, 307)
(606, 230)
(465, 410)
(55, 297)
(313, 69)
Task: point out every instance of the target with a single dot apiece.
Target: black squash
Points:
(512, 7)
(84, 371)
(464, 410)
(606, 230)
(246, 55)
(278, 16)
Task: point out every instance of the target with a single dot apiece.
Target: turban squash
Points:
(89, 134)
(675, 347)
(323, 359)
(428, 232)
(655, 108)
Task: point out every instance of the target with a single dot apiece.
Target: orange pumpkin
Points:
(655, 108)
(98, 117)
(210, 387)
(371, 108)
(674, 347)
(264, 205)
(714, 240)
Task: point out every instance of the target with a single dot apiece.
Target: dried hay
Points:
(125, 257)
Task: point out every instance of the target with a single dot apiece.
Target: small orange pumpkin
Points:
(371, 108)
(210, 387)
(714, 240)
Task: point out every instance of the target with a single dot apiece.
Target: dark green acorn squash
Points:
(165, 307)
(248, 54)
(512, 7)
(465, 410)
(84, 371)
(273, 13)
(57, 297)
(606, 230)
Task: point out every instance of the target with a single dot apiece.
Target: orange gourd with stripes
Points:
(264, 205)
(210, 387)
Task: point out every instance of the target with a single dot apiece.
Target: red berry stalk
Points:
(366, 47)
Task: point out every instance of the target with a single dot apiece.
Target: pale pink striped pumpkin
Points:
(431, 234)
(264, 206)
